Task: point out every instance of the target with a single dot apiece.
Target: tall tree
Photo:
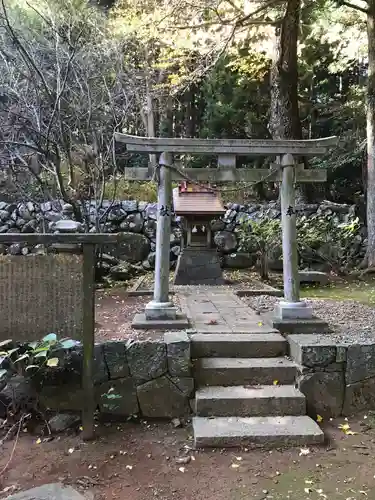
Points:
(371, 134)
(368, 8)
(284, 120)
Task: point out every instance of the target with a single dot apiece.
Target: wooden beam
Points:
(47, 238)
(88, 304)
(228, 174)
(264, 147)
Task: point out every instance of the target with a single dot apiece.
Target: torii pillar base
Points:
(160, 311)
(293, 310)
(160, 316)
(296, 317)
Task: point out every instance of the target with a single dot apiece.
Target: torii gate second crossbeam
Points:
(284, 170)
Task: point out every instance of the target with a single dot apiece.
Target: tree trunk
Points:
(371, 135)
(150, 105)
(178, 113)
(284, 122)
(150, 119)
(189, 113)
(166, 120)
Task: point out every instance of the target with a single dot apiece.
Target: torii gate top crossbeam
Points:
(258, 147)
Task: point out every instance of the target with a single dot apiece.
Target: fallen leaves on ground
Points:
(347, 430)
(344, 427)
(235, 466)
(304, 451)
(212, 322)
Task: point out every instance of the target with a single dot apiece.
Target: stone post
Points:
(161, 308)
(291, 307)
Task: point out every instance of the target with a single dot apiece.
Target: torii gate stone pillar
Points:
(161, 307)
(291, 307)
(291, 314)
(160, 312)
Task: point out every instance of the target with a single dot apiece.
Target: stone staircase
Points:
(238, 402)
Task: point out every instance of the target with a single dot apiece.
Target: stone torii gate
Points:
(285, 169)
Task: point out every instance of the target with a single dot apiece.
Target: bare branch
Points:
(239, 19)
(232, 4)
(353, 6)
(266, 6)
(22, 49)
(21, 144)
(61, 90)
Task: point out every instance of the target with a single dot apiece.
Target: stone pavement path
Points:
(54, 491)
(219, 310)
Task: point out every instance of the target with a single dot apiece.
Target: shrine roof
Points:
(202, 202)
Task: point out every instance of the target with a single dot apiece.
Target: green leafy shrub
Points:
(123, 189)
(321, 238)
(27, 359)
(260, 238)
(326, 239)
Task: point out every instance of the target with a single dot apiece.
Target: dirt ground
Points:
(114, 313)
(140, 461)
(137, 461)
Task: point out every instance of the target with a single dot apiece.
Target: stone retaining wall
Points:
(337, 379)
(138, 221)
(153, 378)
(146, 378)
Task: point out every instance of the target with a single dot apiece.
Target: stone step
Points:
(244, 371)
(242, 401)
(238, 345)
(229, 432)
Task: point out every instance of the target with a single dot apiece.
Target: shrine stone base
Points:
(198, 266)
(141, 322)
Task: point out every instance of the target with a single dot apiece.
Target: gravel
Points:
(351, 322)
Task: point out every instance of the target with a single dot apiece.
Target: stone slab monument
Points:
(284, 168)
(198, 262)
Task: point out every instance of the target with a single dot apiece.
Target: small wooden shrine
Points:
(198, 262)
